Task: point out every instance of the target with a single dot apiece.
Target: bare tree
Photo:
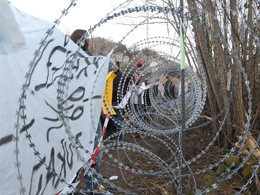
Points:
(100, 46)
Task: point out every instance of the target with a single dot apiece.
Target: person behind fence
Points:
(160, 90)
(137, 87)
(169, 89)
(146, 99)
(91, 179)
(169, 93)
(115, 100)
(148, 107)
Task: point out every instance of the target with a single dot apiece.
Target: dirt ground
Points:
(158, 154)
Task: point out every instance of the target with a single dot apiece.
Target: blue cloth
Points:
(119, 120)
(89, 180)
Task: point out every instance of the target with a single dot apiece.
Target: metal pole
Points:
(182, 134)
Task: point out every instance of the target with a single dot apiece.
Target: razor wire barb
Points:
(167, 121)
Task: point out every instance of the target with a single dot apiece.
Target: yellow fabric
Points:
(99, 190)
(107, 102)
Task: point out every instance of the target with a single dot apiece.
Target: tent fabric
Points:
(37, 139)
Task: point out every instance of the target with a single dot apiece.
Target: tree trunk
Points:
(222, 66)
(238, 107)
(216, 100)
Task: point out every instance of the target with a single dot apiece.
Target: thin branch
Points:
(143, 24)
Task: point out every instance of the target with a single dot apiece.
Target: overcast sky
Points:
(88, 13)
(85, 14)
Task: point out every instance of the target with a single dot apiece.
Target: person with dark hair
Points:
(77, 35)
(169, 93)
(91, 179)
(116, 81)
(169, 89)
(115, 100)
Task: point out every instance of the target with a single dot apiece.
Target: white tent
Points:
(41, 145)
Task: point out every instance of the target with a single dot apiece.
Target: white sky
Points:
(88, 13)
(85, 14)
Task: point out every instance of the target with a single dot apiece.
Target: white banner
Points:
(37, 156)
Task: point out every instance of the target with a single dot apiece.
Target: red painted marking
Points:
(95, 154)
(104, 131)
(93, 164)
(58, 192)
(97, 149)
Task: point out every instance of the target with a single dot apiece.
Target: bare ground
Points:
(158, 153)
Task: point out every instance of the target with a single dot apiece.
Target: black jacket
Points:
(115, 85)
(168, 89)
